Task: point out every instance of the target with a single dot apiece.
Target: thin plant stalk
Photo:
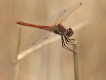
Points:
(16, 62)
(75, 55)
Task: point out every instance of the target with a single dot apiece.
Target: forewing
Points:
(68, 12)
(52, 20)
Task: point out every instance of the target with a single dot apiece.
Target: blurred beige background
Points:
(52, 62)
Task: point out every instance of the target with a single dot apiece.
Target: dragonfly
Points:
(53, 24)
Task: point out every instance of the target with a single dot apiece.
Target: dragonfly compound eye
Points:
(69, 32)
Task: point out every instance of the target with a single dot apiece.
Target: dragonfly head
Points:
(69, 32)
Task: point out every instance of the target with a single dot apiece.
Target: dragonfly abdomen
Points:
(35, 26)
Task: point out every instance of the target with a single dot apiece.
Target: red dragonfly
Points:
(53, 24)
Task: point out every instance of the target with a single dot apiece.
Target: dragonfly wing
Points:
(36, 35)
(68, 12)
(61, 16)
(52, 20)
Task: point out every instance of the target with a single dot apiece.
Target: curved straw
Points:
(24, 53)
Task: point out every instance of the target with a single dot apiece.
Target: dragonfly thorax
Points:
(62, 31)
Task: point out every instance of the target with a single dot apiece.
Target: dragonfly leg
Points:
(69, 41)
(64, 45)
